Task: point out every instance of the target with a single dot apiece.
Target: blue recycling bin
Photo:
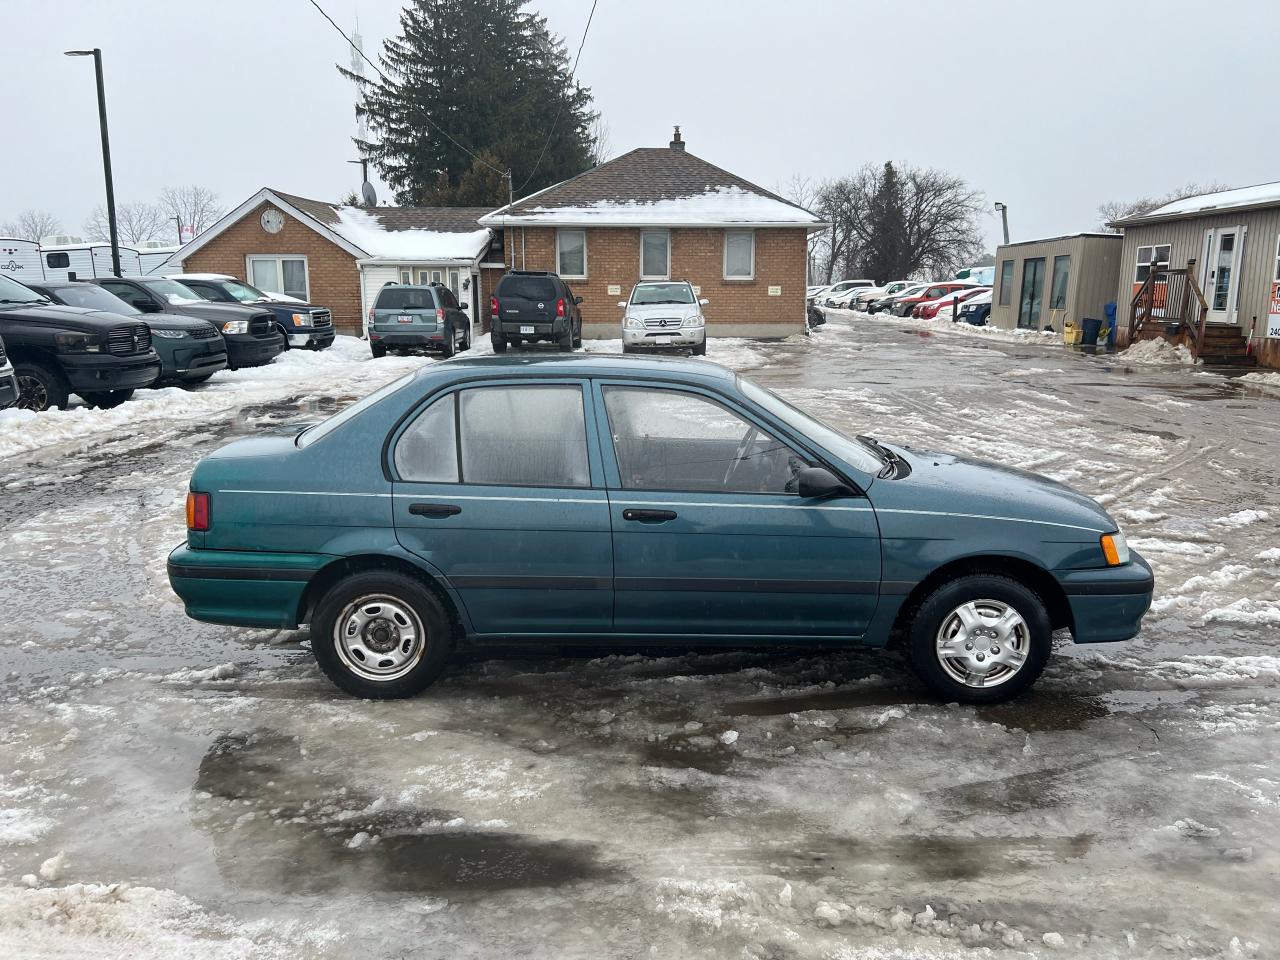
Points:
(1110, 309)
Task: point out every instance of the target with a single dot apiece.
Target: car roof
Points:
(581, 365)
(198, 276)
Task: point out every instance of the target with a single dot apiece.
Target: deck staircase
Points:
(1170, 305)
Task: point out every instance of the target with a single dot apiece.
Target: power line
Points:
(572, 73)
(431, 123)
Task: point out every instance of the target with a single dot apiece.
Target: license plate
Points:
(526, 329)
(404, 319)
(662, 341)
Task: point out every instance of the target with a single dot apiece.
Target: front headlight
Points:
(302, 319)
(236, 326)
(693, 321)
(168, 334)
(76, 343)
(1115, 549)
(633, 323)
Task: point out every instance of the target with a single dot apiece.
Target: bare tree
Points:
(599, 134)
(135, 222)
(1113, 210)
(804, 192)
(31, 225)
(195, 207)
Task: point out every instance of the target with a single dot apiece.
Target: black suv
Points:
(190, 350)
(250, 332)
(533, 305)
(418, 317)
(303, 324)
(57, 351)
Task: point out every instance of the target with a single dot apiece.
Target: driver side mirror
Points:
(577, 300)
(816, 483)
(622, 303)
(704, 301)
(463, 306)
(146, 305)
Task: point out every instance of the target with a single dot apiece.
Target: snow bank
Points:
(1155, 352)
(1262, 380)
(946, 324)
(345, 367)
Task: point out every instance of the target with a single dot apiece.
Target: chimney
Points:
(676, 143)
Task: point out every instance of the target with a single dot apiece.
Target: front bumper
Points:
(1108, 604)
(312, 339)
(664, 339)
(246, 350)
(8, 386)
(189, 359)
(99, 373)
(243, 588)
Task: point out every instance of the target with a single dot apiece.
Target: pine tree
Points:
(885, 246)
(494, 78)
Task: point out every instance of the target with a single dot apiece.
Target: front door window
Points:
(1222, 271)
(1032, 293)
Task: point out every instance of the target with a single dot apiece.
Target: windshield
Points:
(326, 427)
(94, 298)
(662, 293)
(242, 291)
(853, 452)
(173, 291)
(13, 292)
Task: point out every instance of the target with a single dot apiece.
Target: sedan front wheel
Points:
(982, 638)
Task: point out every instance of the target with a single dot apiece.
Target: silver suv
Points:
(663, 315)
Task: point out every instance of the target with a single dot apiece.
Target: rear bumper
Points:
(97, 373)
(541, 331)
(1108, 605)
(244, 350)
(242, 588)
(432, 339)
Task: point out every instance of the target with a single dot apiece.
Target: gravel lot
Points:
(169, 788)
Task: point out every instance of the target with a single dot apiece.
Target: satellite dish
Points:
(370, 196)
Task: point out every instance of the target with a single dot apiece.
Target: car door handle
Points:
(434, 510)
(648, 516)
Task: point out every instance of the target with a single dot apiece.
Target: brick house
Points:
(341, 256)
(660, 213)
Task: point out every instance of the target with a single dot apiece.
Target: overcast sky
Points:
(1051, 108)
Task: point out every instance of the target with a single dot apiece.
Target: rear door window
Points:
(524, 436)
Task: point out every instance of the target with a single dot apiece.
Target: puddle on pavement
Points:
(924, 857)
(699, 751)
(278, 821)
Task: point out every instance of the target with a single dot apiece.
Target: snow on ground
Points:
(747, 804)
(947, 325)
(1269, 379)
(1157, 351)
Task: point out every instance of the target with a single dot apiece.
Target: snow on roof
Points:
(358, 226)
(1262, 193)
(717, 205)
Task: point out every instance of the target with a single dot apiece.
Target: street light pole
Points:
(1004, 219)
(178, 222)
(96, 53)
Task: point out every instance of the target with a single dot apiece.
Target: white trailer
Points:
(153, 257)
(86, 261)
(20, 260)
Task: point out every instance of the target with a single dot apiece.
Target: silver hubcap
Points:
(983, 643)
(379, 638)
(32, 394)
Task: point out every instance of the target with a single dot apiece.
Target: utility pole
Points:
(96, 53)
(178, 222)
(1004, 219)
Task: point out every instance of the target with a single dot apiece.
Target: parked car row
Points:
(104, 338)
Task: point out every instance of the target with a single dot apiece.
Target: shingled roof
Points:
(658, 186)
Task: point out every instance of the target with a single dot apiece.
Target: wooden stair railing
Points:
(1170, 297)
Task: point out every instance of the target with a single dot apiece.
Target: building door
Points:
(1220, 275)
(1030, 301)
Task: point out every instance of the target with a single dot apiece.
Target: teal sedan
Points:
(623, 500)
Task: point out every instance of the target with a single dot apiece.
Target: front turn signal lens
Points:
(198, 512)
(1115, 549)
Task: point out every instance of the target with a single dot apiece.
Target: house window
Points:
(1157, 256)
(655, 255)
(1006, 282)
(405, 277)
(571, 253)
(430, 275)
(287, 275)
(739, 255)
(1058, 292)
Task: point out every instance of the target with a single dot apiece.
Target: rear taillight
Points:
(439, 315)
(560, 307)
(197, 511)
(493, 305)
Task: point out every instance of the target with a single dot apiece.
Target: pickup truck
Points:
(302, 324)
(57, 351)
(250, 332)
(8, 382)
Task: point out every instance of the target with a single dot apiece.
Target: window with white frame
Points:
(655, 255)
(739, 255)
(1148, 257)
(405, 277)
(571, 253)
(287, 275)
(1276, 275)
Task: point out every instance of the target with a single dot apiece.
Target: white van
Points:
(20, 260)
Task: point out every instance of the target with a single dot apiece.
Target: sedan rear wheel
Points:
(381, 635)
(982, 638)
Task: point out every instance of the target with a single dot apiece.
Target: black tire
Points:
(499, 344)
(627, 348)
(40, 387)
(936, 611)
(565, 340)
(106, 399)
(466, 340)
(577, 337)
(700, 350)
(410, 595)
(450, 344)
(516, 343)
(377, 349)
